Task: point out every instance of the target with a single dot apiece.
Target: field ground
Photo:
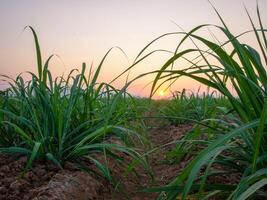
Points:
(48, 182)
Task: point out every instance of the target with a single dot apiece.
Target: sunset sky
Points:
(83, 31)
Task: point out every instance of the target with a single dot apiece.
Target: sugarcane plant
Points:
(240, 76)
(66, 118)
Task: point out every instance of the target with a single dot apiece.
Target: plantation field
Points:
(162, 134)
(74, 137)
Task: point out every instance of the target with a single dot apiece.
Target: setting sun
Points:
(161, 93)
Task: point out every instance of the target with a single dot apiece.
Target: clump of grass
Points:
(187, 106)
(65, 119)
(240, 148)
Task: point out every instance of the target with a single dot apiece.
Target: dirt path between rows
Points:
(164, 172)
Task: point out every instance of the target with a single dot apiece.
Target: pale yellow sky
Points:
(83, 31)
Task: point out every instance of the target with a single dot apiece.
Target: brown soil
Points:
(45, 181)
(131, 184)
